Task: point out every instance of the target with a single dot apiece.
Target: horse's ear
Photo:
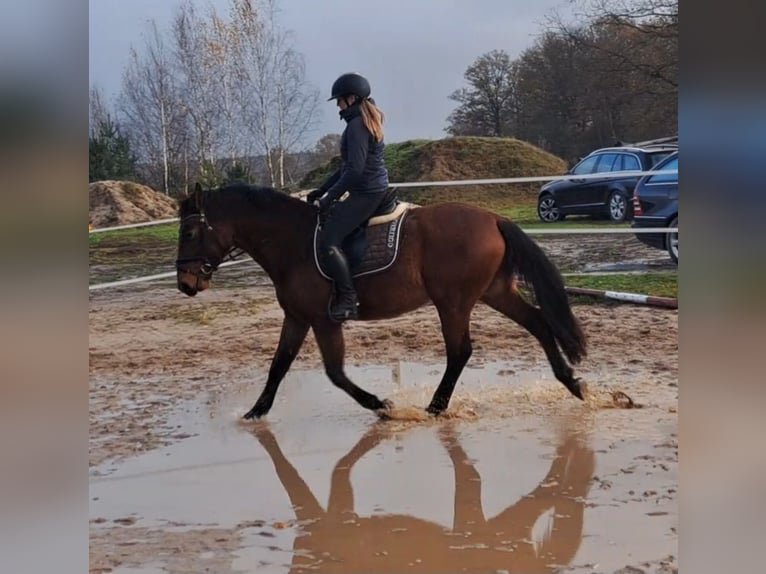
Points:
(183, 194)
(197, 188)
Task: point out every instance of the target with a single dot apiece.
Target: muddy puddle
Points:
(518, 477)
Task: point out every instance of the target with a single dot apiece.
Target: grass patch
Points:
(135, 252)
(654, 284)
(577, 222)
(404, 158)
(165, 233)
(524, 214)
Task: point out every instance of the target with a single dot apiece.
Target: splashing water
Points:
(493, 400)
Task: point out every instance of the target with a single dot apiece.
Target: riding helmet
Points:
(348, 84)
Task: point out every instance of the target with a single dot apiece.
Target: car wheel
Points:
(671, 241)
(548, 210)
(617, 207)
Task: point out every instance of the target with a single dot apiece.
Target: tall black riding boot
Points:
(345, 304)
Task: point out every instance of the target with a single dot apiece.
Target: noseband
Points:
(206, 268)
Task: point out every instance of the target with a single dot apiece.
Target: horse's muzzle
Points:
(186, 289)
(190, 283)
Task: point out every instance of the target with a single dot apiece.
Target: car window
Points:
(607, 162)
(630, 163)
(665, 177)
(586, 165)
(656, 158)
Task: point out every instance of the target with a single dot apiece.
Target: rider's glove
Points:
(314, 194)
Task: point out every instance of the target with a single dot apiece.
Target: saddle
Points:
(373, 246)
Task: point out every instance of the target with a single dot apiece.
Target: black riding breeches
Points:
(345, 216)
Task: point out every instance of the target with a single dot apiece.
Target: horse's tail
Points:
(526, 259)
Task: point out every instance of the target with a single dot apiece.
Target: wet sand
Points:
(518, 476)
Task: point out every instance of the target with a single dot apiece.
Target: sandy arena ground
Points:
(518, 476)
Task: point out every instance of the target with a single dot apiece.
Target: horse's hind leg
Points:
(457, 338)
(330, 341)
(290, 341)
(501, 297)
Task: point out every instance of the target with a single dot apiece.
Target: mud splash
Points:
(494, 390)
(468, 408)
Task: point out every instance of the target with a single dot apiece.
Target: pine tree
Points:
(110, 155)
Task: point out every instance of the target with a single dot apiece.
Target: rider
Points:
(362, 174)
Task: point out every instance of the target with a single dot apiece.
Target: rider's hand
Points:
(323, 204)
(313, 195)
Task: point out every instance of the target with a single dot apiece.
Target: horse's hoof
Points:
(384, 412)
(255, 413)
(576, 389)
(434, 411)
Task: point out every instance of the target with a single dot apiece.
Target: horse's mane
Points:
(235, 197)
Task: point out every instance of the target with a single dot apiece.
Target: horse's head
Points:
(201, 247)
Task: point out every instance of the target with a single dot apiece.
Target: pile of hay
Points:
(124, 202)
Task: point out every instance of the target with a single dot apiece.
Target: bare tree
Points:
(612, 75)
(550, 95)
(327, 147)
(296, 105)
(632, 74)
(648, 31)
(195, 64)
(98, 110)
(276, 101)
(149, 103)
(488, 106)
(230, 86)
(222, 47)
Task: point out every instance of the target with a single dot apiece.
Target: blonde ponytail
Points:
(373, 119)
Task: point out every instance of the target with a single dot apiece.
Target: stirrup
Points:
(347, 314)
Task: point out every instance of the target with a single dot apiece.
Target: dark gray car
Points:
(655, 203)
(609, 196)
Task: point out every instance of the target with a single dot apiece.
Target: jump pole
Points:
(667, 302)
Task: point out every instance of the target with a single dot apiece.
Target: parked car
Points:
(655, 204)
(609, 196)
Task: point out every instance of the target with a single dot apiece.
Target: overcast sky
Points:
(414, 52)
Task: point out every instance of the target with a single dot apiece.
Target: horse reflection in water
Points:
(338, 540)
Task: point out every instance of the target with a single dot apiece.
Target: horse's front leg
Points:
(329, 337)
(341, 500)
(468, 514)
(290, 341)
(304, 502)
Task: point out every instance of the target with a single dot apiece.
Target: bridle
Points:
(207, 267)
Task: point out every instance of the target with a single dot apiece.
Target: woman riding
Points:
(362, 174)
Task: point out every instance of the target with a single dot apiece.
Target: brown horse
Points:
(340, 540)
(452, 255)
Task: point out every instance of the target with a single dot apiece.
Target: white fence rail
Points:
(495, 181)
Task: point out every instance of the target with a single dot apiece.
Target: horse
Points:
(338, 539)
(452, 255)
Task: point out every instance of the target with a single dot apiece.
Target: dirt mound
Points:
(460, 158)
(124, 202)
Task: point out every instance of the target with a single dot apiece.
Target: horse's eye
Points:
(187, 234)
